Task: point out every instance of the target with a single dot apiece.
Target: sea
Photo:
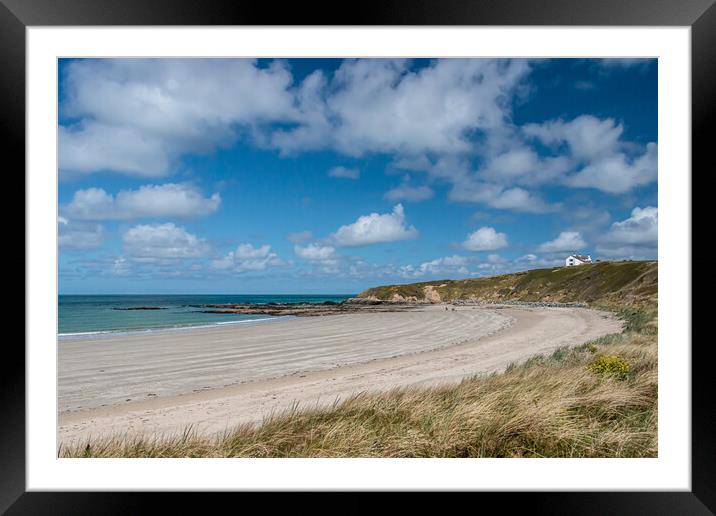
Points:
(90, 316)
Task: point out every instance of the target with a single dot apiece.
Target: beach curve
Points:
(214, 379)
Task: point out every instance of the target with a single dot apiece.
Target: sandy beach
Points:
(215, 378)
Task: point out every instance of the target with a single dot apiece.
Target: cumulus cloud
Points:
(375, 228)
(519, 199)
(314, 252)
(140, 116)
(156, 242)
(570, 241)
(598, 157)
(149, 201)
(323, 256)
(247, 258)
(79, 235)
(345, 173)
(137, 116)
(381, 105)
(485, 239)
(488, 186)
(585, 152)
(521, 165)
(447, 265)
(588, 137)
(641, 228)
(636, 236)
(618, 173)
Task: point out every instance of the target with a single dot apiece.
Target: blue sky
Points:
(331, 176)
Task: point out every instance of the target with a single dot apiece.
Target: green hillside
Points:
(628, 282)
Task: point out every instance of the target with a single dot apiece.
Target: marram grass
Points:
(549, 406)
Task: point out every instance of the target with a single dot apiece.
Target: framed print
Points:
(419, 249)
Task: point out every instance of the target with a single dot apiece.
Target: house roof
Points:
(581, 257)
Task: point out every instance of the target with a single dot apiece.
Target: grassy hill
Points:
(630, 283)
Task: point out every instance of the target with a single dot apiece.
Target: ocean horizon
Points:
(94, 314)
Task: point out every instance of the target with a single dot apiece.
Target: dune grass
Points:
(559, 405)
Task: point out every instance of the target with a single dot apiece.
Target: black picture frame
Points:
(700, 15)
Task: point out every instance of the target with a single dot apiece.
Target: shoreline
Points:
(107, 334)
(213, 409)
(274, 311)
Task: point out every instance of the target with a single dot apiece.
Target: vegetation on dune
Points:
(630, 282)
(610, 365)
(550, 406)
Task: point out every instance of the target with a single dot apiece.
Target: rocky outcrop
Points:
(140, 308)
(431, 295)
(305, 309)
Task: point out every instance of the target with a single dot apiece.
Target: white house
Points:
(577, 259)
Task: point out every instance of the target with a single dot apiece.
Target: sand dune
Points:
(215, 378)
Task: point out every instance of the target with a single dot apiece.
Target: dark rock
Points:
(141, 308)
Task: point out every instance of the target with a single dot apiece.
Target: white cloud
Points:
(641, 228)
(380, 105)
(447, 265)
(618, 173)
(138, 115)
(518, 199)
(570, 241)
(407, 192)
(375, 228)
(522, 165)
(324, 256)
(79, 235)
(155, 242)
(141, 116)
(636, 236)
(249, 252)
(599, 158)
(586, 152)
(313, 252)
(485, 239)
(588, 137)
(90, 146)
(168, 200)
(345, 173)
(247, 258)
